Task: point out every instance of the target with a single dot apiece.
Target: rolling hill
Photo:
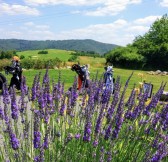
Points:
(77, 45)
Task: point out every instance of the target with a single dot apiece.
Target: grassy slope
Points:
(52, 53)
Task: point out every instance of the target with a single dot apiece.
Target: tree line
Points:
(149, 51)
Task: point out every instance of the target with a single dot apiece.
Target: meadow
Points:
(63, 55)
(45, 122)
(67, 76)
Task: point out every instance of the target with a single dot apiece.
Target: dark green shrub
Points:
(3, 63)
(125, 57)
(22, 57)
(72, 58)
(43, 52)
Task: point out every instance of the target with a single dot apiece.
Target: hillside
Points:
(78, 45)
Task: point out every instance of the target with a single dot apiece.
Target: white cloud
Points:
(28, 31)
(29, 24)
(33, 25)
(17, 9)
(110, 7)
(65, 2)
(102, 7)
(137, 29)
(119, 32)
(39, 35)
(147, 20)
(164, 3)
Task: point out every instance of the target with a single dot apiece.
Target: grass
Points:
(52, 53)
(96, 65)
(68, 77)
(93, 62)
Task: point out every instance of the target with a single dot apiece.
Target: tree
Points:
(126, 57)
(154, 44)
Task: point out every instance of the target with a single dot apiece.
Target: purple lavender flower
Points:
(40, 157)
(37, 134)
(14, 107)
(95, 143)
(14, 141)
(1, 113)
(130, 103)
(46, 142)
(34, 95)
(119, 113)
(74, 93)
(87, 132)
(6, 99)
(164, 118)
(63, 106)
(37, 138)
(154, 101)
(99, 120)
(98, 93)
(77, 136)
(117, 87)
(108, 131)
(37, 159)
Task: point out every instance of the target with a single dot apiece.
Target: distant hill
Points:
(77, 45)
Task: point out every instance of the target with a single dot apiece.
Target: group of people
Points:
(84, 76)
(82, 71)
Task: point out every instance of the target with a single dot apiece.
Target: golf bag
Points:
(108, 78)
(2, 80)
(83, 75)
(16, 71)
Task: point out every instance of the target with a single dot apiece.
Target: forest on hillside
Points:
(72, 45)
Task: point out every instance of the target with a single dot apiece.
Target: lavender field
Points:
(45, 123)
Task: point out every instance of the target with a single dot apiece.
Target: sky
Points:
(108, 21)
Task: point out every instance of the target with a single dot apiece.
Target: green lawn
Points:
(68, 76)
(63, 55)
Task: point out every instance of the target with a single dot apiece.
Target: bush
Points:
(43, 52)
(41, 64)
(22, 57)
(3, 63)
(72, 58)
(125, 57)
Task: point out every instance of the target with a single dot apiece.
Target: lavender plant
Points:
(49, 124)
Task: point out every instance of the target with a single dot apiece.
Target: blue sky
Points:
(109, 21)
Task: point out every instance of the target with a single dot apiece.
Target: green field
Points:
(96, 65)
(67, 76)
(63, 55)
